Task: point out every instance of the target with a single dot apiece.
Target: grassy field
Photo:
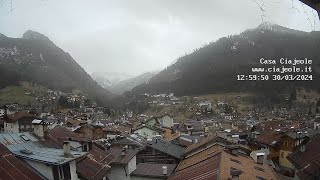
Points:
(18, 94)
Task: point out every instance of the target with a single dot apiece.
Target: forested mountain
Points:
(34, 58)
(214, 67)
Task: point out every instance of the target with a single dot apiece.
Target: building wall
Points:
(132, 165)
(38, 129)
(283, 161)
(266, 151)
(123, 171)
(76, 145)
(43, 169)
(11, 127)
(98, 133)
(73, 170)
(46, 170)
(146, 132)
(118, 172)
(25, 124)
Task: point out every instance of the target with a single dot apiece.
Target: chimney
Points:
(260, 158)
(66, 149)
(5, 110)
(123, 152)
(108, 146)
(196, 141)
(235, 174)
(164, 170)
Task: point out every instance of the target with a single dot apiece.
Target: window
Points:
(61, 172)
(259, 169)
(286, 143)
(291, 144)
(236, 161)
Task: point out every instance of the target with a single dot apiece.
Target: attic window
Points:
(236, 161)
(235, 169)
(24, 137)
(259, 169)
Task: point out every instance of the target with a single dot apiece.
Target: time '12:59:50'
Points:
(252, 77)
(277, 77)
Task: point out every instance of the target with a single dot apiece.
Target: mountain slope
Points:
(36, 59)
(129, 84)
(214, 67)
(108, 79)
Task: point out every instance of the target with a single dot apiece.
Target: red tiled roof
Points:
(17, 115)
(204, 170)
(74, 122)
(12, 168)
(249, 168)
(199, 157)
(61, 134)
(205, 141)
(90, 169)
(119, 159)
(100, 155)
(215, 162)
(267, 137)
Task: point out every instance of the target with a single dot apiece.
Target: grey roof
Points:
(26, 146)
(133, 139)
(153, 170)
(166, 147)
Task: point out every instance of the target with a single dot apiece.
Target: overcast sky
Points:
(135, 36)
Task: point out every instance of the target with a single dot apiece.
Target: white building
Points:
(148, 131)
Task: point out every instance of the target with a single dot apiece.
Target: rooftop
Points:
(249, 168)
(12, 168)
(153, 170)
(217, 162)
(199, 157)
(94, 166)
(206, 169)
(166, 147)
(18, 115)
(90, 169)
(120, 159)
(26, 146)
(204, 142)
